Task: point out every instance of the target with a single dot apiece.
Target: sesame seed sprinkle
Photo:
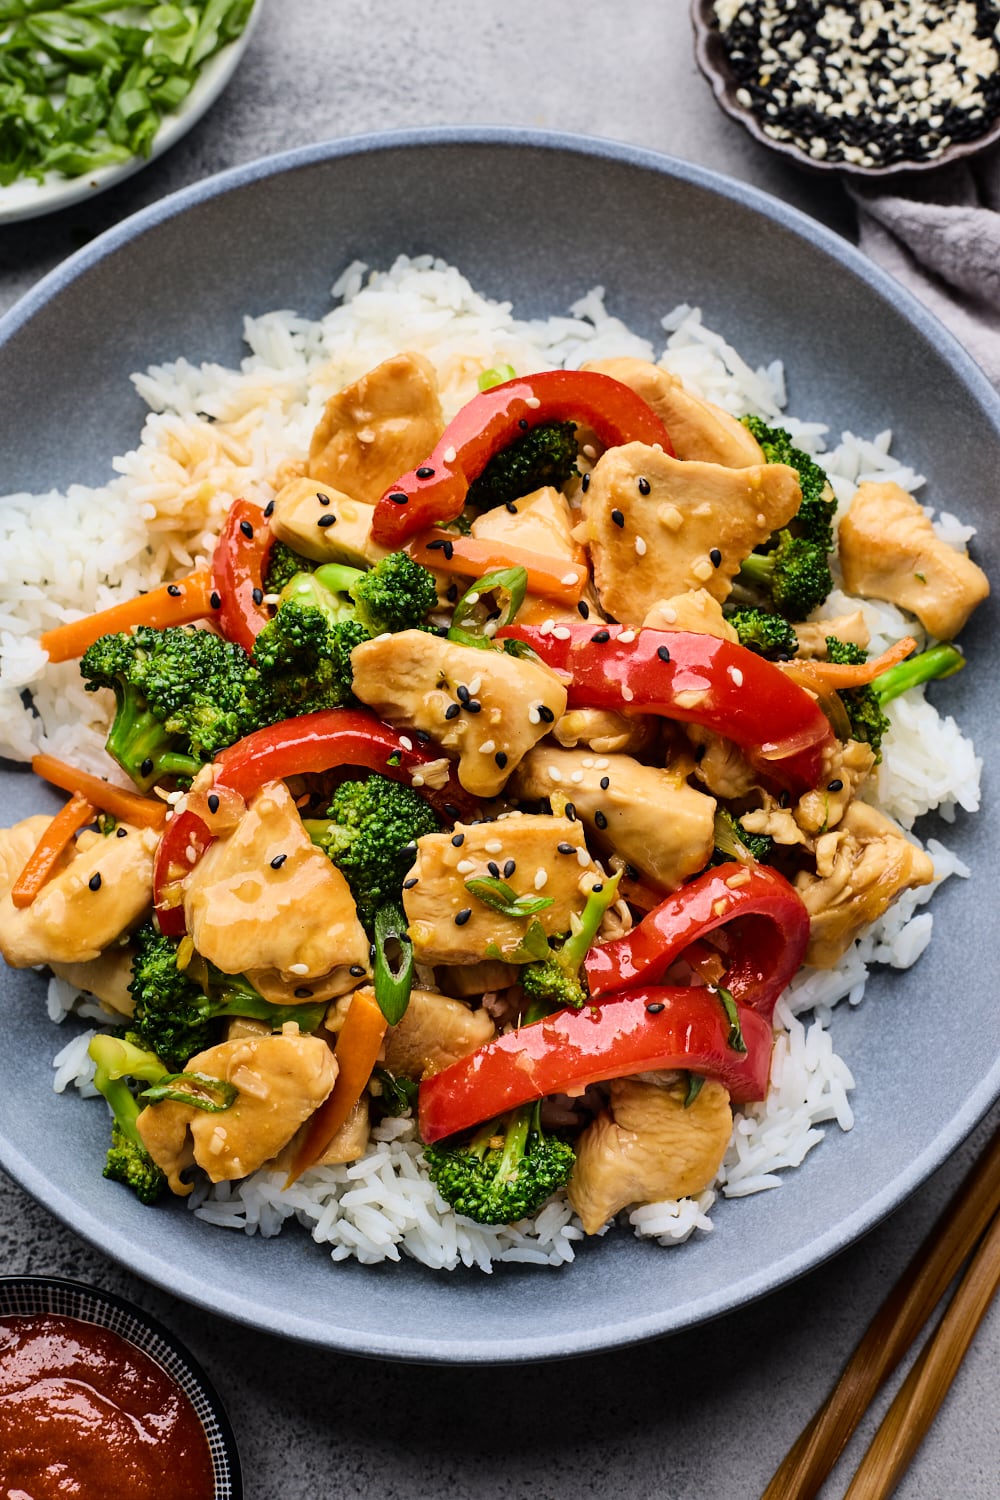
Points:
(461, 917)
(605, 783)
(600, 819)
(509, 868)
(174, 591)
(618, 518)
(493, 847)
(643, 485)
(640, 546)
(94, 883)
(501, 759)
(407, 886)
(545, 713)
(300, 969)
(326, 521)
(487, 747)
(246, 529)
(453, 710)
(583, 609)
(449, 455)
(278, 861)
(541, 879)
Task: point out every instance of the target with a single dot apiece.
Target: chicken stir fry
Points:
(509, 776)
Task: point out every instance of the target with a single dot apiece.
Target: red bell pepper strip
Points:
(764, 920)
(311, 743)
(435, 491)
(641, 1031)
(698, 679)
(238, 565)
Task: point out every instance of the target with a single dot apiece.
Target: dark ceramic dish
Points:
(32, 1295)
(712, 58)
(539, 219)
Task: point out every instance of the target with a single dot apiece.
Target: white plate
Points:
(28, 199)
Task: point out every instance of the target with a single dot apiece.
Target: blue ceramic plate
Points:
(539, 219)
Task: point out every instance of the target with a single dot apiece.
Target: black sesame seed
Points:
(835, 786)
(473, 706)
(95, 881)
(323, 499)
(585, 483)
(278, 861)
(453, 710)
(631, 873)
(509, 868)
(663, 653)
(269, 509)
(213, 802)
(600, 819)
(449, 550)
(569, 811)
(451, 593)
(618, 518)
(356, 970)
(643, 486)
(421, 736)
(399, 498)
(451, 811)
(715, 557)
(174, 591)
(409, 884)
(462, 694)
(121, 833)
(501, 758)
(566, 848)
(461, 917)
(146, 767)
(510, 508)
(595, 890)
(605, 783)
(325, 521)
(257, 596)
(303, 993)
(494, 869)
(215, 599)
(522, 423)
(436, 546)
(246, 529)
(600, 637)
(458, 839)
(584, 609)
(655, 1007)
(545, 713)
(425, 472)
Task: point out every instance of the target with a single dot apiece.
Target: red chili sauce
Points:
(84, 1413)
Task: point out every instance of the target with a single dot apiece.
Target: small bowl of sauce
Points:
(98, 1401)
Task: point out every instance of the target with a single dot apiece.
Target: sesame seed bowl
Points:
(871, 90)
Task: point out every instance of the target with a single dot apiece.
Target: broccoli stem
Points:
(940, 660)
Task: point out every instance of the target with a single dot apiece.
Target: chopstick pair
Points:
(971, 1219)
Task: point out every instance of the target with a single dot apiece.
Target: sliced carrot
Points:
(824, 677)
(357, 1052)
(74, 815)
(178, 603)
(447, 552)
(130, 807)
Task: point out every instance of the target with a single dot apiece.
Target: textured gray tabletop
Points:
(707, 1413)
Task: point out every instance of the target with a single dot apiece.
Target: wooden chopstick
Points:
(892, 1330)
(925, 1387)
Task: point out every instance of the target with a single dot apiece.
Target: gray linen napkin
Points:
(939, 234)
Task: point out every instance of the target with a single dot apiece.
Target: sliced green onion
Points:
(695, 1084)
(502, 898)
(393, 968)
(735, 1038)
(496, 376)
(200, 1090)
(473, 622)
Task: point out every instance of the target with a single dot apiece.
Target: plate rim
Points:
(868, 1213)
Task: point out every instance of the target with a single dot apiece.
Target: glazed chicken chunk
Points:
(651, 817)
(698, 429)
(100, 889)
(648, 1146)
(325, 525)
(657, 526)
(890, 550)
(374, 430)
(534, 854)
(434, 1033)
(483, 707)
(281, 1079)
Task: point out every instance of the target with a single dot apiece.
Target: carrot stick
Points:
(130, 807)
(75, 814)
(447, 552)
(832, 677)
(171, 604)
(357, 1052)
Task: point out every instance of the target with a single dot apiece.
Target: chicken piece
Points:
(419, 681)
(776, 822)
(696, 611)
(469, 981)
(812, 635)
(106, 977)
(647, 1146)
(861, 868)
(651, 817)
(263, 897)
(282, 1079)
(100, 888)
(846, 767)
(720, 765)
(434, 1033)
(698, 429)
(351, 1140)
(325, 525)
(889, 550)
(377, 428)
(539, 522)
(604, 731)
(657, 526)
(545, 856)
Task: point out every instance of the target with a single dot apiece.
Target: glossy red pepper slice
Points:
(435, 490)
(312, 743)
(238, 565)
(643, 1030)
(766, 927)
(698, 679)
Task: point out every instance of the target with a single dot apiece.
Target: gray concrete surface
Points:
(707, 1413)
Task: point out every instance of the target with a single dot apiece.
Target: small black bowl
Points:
(22, 1296)
(713, 60)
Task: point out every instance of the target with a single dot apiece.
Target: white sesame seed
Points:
(561, 633)
(449, 455)
(569, 578)
(475, 684)
(298, 969)
(640, 546)
(272, 598)
(589, 451)
(588, 761)
(487, 747)
(541, 879)
(490, 628)
(576, 777)
(494, 846)
(465, 866)
(626, 637)
(582, 858)
(736, 675)
(416, 779)
(534, 717)
(627, 693)
(554, 773)
(532, 401)
(601, 763)
(406, 742)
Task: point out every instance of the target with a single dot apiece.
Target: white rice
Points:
(63, 555)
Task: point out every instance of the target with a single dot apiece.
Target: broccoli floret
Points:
(283, 562)
(181, 696)
(128, 1161)
(793, 567)
(505, 1172)
(177, 1011)
(394, 595)
(768, 634)
(864, 704)
(557, 981)
(368, 833)
(545, 455)
(733, 842)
